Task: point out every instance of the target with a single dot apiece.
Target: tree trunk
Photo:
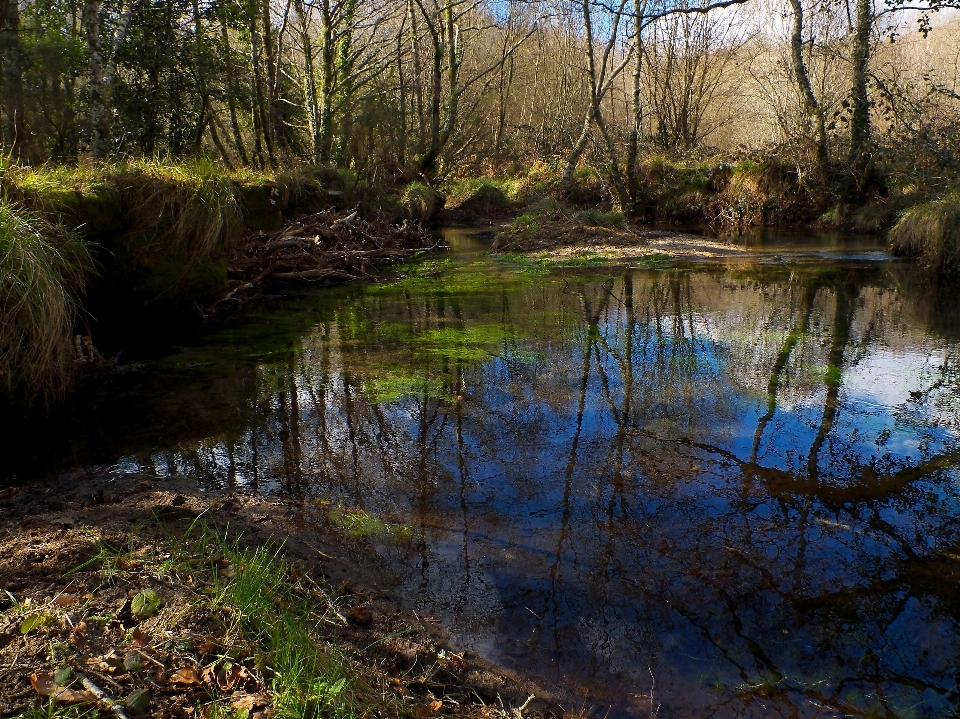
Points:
(261, 122)
(310, 99)
(232, 91)
(11, 57)
(811, 106)
(417, 77)
(99, 116)
(634, 188)
(328, 78)
(859, 156)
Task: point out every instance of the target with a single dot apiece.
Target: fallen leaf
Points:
(45, 686)
(248, 701)
(208, 647)
(140, 638)
(225, 568)
(112, 661)
(139, 701)
(457, 663)
(133, 662)
(424, 712)
(227, 678)
(79, 635)
(32, 622)
(187, 675)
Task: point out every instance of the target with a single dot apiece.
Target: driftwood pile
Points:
(324, 248)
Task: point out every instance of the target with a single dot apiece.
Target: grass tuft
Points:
(42, 271)
(309, 678)
(931, 233)
(194, 204)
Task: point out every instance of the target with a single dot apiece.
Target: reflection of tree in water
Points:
(654, 472)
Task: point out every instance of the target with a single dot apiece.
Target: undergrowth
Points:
(930, 232)
(192, 204)
(42, 273)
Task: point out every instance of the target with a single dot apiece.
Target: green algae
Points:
(358, 524)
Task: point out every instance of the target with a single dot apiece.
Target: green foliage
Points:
(42, 272)
(598, 218)
(50, 710)
(358, 524)
(145, 604)
(420, 202)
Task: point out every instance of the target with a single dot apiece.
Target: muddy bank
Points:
(53, 535)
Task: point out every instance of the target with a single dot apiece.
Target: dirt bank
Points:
(78, 550)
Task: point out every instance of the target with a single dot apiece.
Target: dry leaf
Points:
(457, 663)
(227, 680)
(208, 647)
(248, 701)
(45, 686)
(424, 712)
(187, 675)
(140, 638)
(360, 615)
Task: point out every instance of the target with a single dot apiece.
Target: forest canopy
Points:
(432, 87)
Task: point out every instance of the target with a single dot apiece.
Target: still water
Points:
(733, 487)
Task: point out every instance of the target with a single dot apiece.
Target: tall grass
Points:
(931, 233)
(42, 272)
(193, 204)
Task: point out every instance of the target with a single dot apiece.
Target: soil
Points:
(51, 533)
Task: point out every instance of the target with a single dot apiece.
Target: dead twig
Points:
(101, 695)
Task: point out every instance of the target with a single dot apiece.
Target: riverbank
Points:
(176, 602)
(108, 258)
(91, 255)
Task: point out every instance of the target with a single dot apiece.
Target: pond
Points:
(726, 490)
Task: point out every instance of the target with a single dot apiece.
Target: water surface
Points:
(724, 490)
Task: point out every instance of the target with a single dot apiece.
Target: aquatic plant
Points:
(42, 272)
(931, 233)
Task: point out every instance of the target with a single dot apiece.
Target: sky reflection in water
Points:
(735, 486)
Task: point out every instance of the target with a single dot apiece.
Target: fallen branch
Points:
(318, 248)
(314, 276)
(102, 696)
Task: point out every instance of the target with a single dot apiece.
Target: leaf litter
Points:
(99, 613)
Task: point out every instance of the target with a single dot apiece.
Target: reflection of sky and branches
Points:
(741, 488)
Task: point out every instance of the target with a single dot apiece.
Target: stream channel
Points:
(735, 486)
